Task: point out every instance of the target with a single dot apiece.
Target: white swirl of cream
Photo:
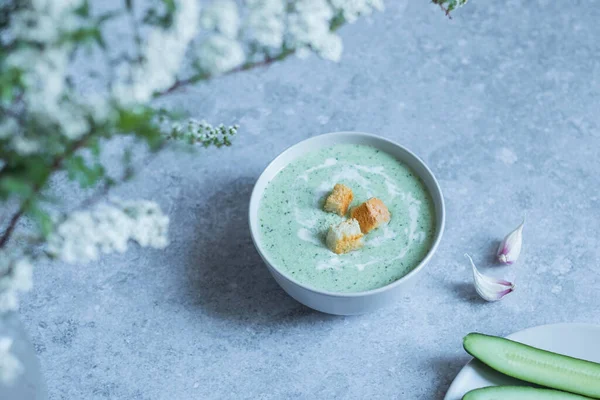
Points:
(328, 163)
(308, 236)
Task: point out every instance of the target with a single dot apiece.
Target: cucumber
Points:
(535, 365)
(519, 393)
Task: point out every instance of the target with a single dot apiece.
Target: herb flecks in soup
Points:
(294, 225)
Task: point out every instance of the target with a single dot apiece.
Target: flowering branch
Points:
(202, 132)
(56, 164)
(344, 13)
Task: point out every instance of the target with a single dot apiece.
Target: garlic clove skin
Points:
(510, 248)
(488, 288)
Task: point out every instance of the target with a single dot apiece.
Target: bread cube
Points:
(371, 214)
(339, 200)
(344, 237)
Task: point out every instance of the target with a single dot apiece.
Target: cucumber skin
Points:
(472, 343)
(519, 393)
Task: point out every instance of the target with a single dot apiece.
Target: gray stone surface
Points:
(502, 102)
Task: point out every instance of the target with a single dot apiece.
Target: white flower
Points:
(460, 3)
(309, 26)
(222, 16)
(9, 301)
(71, 117)
(352, 9)
(75, 239)
(22, 275)
(25, 146)
(44, 68)
(331, 48)
(55, 8)
(194, 131)
(265, 22)
(317, 9)
(99, 107)
(46, 20)
(151, 225)
(32, 26)
(219, 54)
(163, 53)
(108, 228)
(10, 366)
(44, 73)
(15, 277)
(303, 52)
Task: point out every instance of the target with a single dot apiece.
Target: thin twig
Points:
(11, 226)
(444, 9)
(179, 83)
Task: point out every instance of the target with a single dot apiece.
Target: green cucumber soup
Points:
(293, 224)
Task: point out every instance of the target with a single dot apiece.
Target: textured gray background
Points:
(502, 102)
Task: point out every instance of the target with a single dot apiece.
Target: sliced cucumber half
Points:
(534, 365)
(519, 393)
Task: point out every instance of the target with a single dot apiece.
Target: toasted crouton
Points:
(344, 237)
(371, 214)
(339, 200)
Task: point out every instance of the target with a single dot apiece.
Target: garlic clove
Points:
(510, 248)
(490, 289)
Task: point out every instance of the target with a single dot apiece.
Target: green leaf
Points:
(86, 175)
(41, 218)
(6, 94)
(74, 165)
(83, 10)
(11, 84)
(130, 119)
(32, 169)
(129, 4)
(11, 185)
(170, 4)
(140, 122)
(94, 146)
(336, 22)
(85, 35)
(152, 135)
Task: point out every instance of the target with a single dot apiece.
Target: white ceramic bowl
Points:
(345, 303)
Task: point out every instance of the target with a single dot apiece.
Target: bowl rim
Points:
(254, 197)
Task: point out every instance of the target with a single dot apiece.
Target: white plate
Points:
(575, 340)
